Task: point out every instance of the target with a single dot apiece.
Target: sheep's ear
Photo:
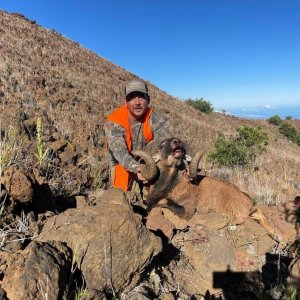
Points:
(156, 157)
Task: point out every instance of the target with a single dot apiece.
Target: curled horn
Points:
(194, 164)
(149, 170)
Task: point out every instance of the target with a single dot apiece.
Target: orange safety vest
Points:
(122, 177)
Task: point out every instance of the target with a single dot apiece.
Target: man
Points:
(132, 126)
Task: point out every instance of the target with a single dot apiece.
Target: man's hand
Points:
(140, 176)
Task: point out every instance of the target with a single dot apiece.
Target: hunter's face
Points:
(137, 104)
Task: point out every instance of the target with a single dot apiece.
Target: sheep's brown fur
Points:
(174, 190)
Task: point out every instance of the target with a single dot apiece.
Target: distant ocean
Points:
(264, 112)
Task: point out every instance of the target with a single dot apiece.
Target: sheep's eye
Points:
(162, 144)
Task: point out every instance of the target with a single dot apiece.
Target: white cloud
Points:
(270, 106)
(258, 108)
(251, 109)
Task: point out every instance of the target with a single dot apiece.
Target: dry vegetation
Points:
(43, 74)
(54, 96)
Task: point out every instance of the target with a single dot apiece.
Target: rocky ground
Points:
(65, 235)
(102, 245)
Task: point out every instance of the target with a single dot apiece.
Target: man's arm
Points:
(159, 127)
(115, 135)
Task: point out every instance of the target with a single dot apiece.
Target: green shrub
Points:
(240, 150)
(290, 132)
(289, 118)
(286, 129)
(275, 120)
(200, 104)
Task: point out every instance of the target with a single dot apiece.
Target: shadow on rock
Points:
(254, 285)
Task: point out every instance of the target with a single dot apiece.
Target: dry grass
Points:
(15, 231)
(44, 73)
(263, 186)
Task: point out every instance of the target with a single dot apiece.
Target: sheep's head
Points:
(169, 153)
(172, 152)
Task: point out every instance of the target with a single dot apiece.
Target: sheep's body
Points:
(173, 189)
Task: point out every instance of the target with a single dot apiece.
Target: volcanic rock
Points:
(18, 185)
(41, 269)
(110, 244)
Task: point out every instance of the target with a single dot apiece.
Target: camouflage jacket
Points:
(115, 134)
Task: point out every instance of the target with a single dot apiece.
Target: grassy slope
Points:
(44, 73)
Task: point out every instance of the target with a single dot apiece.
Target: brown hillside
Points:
(45, 74)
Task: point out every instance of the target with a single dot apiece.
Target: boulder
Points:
(4, 259)
(17, 185)
(209, 245)
(203, 252)
(157, 222)
(41, 271)
(167, 296)
(81, 201)
(111, 245)
(294, 276)
(251, 233)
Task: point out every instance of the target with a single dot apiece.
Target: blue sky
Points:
(231, 52)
